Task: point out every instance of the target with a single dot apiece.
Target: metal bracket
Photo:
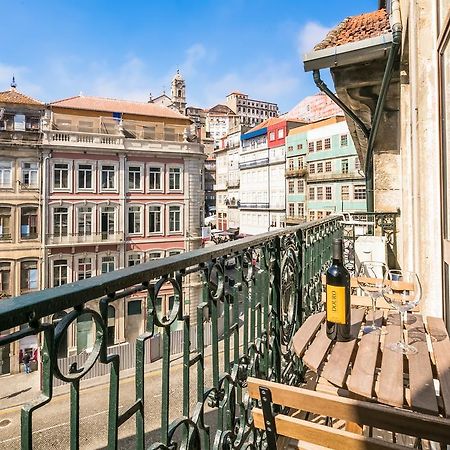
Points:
(269, 419)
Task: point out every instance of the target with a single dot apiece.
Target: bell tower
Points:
(179, 92)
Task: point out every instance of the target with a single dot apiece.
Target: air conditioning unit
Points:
(370, 248)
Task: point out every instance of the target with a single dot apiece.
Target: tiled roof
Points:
(267, 123)
(221, 109)
(14, 96)
(122, 106)
(313, 108)
(357, 28)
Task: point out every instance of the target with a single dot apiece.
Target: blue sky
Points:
(128, 49)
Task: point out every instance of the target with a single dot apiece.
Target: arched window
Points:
(179, 93)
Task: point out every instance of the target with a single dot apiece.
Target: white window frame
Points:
(69, 219)
(69, 271)
(141, 173)
(341, 138)
(162, 177)
(100, 262)
(103, 164)
(4, 168)
(168, 206)
(132, 253)
(69, 176)
(100, 208)
(93, 176)
(174, 251)
(162, 217)
(173, 166)
(141, 219)
(93, 218)
(154, 250)
(77, 265)
(280, 133)
(29, 171)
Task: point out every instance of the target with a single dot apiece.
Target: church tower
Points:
(179, 93)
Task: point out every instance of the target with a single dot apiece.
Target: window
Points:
(272, 136)
(108, 221)
(154, 219)
(84, 221)
(300, 162)
(328, 193)
(174, 178)
(344, 140)
(319, 193)
(84, 268)
(175, 252)
(169, 134)
(328, 166)
(291, 209)
(290, 148)
(5, 223)
(359, 192)
(319, 145)
(291, 164)
(320, 167)
(61, 176)
(299, 146)
(5, 279)
(84, 176)
(300, 209)
(111, 325)
(59, 272)
(28, 222)
(86, 126)
(327, 143)
(5, 174)
(134, 219)
(134, 308)
(291, 186)
(108, 264)
(357, 164)
(154, 255)
(310, 147)
(311, 193)
(312, 215)
(281, 133)
(60, 221)
(28, 276)
(319, 215)
(174, 218)
(344, 165)
(134, 178)
(345, 193)
(300, 186)
(154, 183)
(108, 177)
(30, 174)
(134, 259)
(311, 168)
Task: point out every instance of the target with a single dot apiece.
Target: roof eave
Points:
(351, 53)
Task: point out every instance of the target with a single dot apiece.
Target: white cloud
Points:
(310, 34)
(22, 77)
(194, 55)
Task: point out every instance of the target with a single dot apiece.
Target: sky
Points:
(129, 49)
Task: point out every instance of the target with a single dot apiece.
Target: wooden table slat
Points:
(335, 370)
(307, 332)
(423, 394)
(390, 380)
(317, 350)
(441, 349)
(362, 378)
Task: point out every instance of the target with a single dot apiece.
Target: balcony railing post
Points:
(275, 280)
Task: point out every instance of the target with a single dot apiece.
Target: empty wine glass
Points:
(371, 279)
(403, 291)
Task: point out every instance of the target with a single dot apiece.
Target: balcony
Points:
(296, 173)
(328, 176)
(54, 240)
(234, 183)
(254, 163)
(295, 220)
(259, 205)
(253, 296)
(82, 139)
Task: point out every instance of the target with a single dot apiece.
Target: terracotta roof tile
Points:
(221, 109)
(114, 105)
(14, 96)
(356, 28)
(313, 108)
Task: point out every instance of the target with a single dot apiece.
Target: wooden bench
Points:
(396, 420)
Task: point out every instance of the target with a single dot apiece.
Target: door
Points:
(444, 101)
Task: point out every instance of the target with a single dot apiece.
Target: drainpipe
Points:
(396, 26)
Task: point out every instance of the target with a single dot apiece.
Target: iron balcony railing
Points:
(261, 288)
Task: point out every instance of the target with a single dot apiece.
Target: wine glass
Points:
(371, 279)
(403, 291)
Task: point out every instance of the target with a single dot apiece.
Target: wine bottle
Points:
(338, 297)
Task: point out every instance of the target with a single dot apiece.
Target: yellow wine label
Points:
(336, 304)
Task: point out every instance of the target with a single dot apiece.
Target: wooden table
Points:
(364, 368)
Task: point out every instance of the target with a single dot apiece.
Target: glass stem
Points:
(402, 336)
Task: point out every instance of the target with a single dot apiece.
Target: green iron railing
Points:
(262, 287)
